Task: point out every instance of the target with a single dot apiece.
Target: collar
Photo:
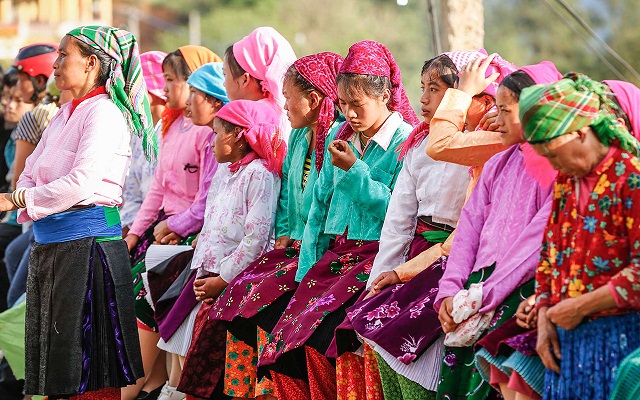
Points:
(385, 134)
(93, 93)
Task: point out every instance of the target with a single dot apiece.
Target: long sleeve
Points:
(148, 212)
(399, 225)
(466, 243)
(192, 219)
(448, 142)
(261, 203)
(543, 274)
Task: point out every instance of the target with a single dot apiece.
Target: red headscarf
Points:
(321, 70)
(372, 58)
(261, 132)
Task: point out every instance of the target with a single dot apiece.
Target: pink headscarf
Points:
(372, 58)
(628, 95)
(151, 62)
(265, 54)
(321, 70)
(536, 165)
(499, 64)
(261, 132)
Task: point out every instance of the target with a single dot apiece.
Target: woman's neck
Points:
(79, 93)
(377, 125)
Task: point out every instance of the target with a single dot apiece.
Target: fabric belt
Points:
(443, 227)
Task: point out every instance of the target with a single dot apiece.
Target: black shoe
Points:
(152, 395)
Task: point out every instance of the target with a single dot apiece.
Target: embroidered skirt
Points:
(81, 332)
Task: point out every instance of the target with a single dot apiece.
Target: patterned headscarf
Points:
(321, 70)
(266, 55)
(151, 62)
(499, 64)
(628, 96)
(125, 85)
(372, 58)
(551, 111)
(261, 132)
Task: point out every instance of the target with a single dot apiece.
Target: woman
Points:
(587, 295)
(81, 331)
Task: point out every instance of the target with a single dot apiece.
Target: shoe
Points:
(169, 392)
(152, 395)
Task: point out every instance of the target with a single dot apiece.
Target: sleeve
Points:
(522, 259)
(314, 241)
(148, 212)
(543, 271)
(192, 219)
(26, 178)
(282, 215)
(258, 224)
(425, 259)
(97, 146)
(399, 225)
(466, 243)
(360, 176)
(448, 142)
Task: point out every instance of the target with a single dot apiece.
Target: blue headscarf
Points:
(209, 79)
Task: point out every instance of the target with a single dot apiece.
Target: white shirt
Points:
(425, 187)
(239, 223)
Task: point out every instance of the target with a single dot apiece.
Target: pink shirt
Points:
(82, 159)
(176, 180)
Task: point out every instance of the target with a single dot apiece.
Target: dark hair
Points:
(370, 85)
(105, 61)
(619, 112)
(235, 68)
(516, 81)
(228, 126)
(296, 79)
(10, 79)
(176, 61)
(443, 68)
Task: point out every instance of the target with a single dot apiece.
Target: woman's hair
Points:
(619, 112)
(228, 126)
(443, 67)
(176, 61)
(10, 79)
(106, 61)
(235, 68)
(296, 79)
(516, 81)
(357, 84)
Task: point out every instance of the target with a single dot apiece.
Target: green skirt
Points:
(459, 377)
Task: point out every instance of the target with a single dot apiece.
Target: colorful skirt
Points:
(81, 332)
(459, 378)
(319, 306)
(591, 354)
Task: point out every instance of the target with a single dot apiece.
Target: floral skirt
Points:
(459, 377)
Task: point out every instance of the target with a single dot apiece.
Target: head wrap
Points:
(151, 62)
(196, 56)
(628, 96)
(321, 70)
(372, 58)
(125, 85)
(542, 72)
(550, 111)
(266, 55)
(261, 131)
(210, 80)
(499, 65)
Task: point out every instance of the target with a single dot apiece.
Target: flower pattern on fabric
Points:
(581, 253)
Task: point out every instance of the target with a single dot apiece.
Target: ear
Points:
(92, 63)
(245, 79)
(582, 133)
(41, 81)
(386, 96)
(488, 101)
(315, 99)
(621, 121)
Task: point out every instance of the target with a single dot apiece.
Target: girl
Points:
(311, 102)
(79, 273)
(254, 68)
(350, 200)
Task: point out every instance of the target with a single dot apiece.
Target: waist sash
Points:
(98, 221)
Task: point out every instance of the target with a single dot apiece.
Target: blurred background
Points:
(598, 37)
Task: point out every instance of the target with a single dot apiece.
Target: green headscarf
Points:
(125, 85)
(550, 111)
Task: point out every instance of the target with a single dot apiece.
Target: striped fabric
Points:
(306, 169)
(34, 122)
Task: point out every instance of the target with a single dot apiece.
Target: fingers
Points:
(485, 62)
(448, 324)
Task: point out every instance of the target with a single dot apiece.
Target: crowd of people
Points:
(257, 225)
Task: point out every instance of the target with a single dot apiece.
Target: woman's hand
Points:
(488, 122)
(341, 154)
(207, 289)
(526, 316)
(283, 242)
(383, 280)
(448, 324)
(195, 241)
(567, 314)
(164, 235)
(131, 240)
(6, 204)
(472, 77)
(547, 340)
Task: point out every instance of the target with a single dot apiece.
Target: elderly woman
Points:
(587, 291)
(80, 320)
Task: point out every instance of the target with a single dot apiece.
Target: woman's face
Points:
(508, 120)
(231, 84)
(363, 112)
(70, 68)
(226, 145)
(176, 89)
(298, 107)
(200, 107)
(433, 90)
(17, 105)
(573, 154)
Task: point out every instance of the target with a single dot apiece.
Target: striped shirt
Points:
(306, 169)
(34, 122)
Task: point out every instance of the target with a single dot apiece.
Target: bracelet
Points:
(18, 198)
